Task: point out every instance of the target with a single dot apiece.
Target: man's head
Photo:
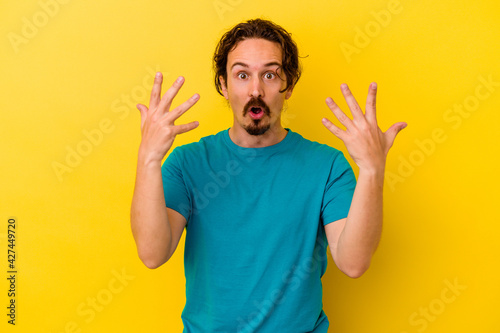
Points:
(256, 65)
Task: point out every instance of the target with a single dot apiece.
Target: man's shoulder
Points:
(212, 139)
(314, 146)
(205, 144)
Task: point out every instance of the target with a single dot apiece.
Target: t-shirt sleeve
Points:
(338, 191)
(174, 188)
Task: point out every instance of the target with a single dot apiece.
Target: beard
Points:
(256, 127)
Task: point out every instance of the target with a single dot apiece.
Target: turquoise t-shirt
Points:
(255, 246)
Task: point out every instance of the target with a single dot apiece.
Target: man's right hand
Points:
(157, 122)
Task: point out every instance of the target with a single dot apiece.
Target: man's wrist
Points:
(376, 174)
(148, 160)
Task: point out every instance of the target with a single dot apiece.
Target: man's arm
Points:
(353, 240)
(156, 228)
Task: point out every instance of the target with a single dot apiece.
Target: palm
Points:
(365, 142)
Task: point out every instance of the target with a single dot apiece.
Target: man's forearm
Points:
(361, 235)
(148, 215)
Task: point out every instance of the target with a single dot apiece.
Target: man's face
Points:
(253, 86)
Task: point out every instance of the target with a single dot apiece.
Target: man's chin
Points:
(256, 129)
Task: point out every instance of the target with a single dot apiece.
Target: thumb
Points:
(144, 111)
(391, 133)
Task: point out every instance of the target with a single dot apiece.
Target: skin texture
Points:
(156, 228)
(353, 240)
(254, 73)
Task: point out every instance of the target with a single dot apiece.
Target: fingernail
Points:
(158, 74)
(343, 86)
(179, 79)
(374, 85)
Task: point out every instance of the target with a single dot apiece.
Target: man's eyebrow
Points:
(269, 64)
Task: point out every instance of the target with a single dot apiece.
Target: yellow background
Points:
(85, 66)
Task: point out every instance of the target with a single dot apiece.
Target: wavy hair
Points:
(258, 28)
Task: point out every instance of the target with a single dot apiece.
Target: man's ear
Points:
(223, 87)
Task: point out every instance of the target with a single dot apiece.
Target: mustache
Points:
(256, 102)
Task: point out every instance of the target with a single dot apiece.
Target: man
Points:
(258, 201)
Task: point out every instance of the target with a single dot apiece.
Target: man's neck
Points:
(243, 139)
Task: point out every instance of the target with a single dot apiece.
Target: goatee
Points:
(255, 129)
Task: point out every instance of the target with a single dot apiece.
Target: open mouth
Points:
(256, 112)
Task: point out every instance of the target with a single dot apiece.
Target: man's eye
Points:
(242, 75)
(269, 76)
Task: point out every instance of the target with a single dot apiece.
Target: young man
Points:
(259, 202)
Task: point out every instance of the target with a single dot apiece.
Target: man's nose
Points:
(256, 87)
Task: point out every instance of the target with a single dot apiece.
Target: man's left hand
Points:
(365, 142)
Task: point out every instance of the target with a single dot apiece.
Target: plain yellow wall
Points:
(72, 71)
